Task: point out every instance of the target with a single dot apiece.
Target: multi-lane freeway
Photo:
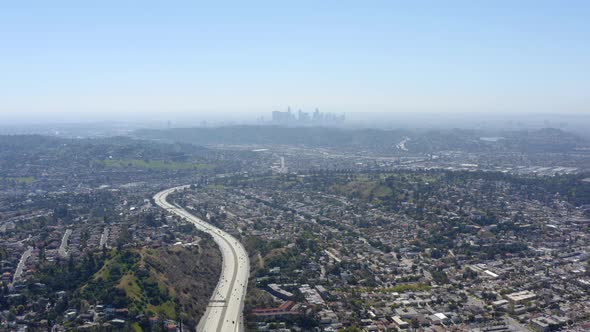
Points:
(224, 312)
(21, 264)
(63, 247)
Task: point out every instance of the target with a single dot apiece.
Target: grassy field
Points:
(157, 165)
(405, 288)
(129, 284)
(25, 180)
(145, 290)
(166, 282)
(363, 188)
(165, 309)
(136, 328)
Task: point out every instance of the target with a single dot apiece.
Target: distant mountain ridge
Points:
(543, 140)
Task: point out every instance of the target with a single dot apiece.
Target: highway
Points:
(104, 237)
(21, 264)
(224, 312)
(63, 247)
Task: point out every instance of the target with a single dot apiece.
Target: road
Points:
(63, 247)
(21, 264)
(333, 256)
(104, 237)
(224, 312)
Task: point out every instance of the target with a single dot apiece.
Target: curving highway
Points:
(224, 312)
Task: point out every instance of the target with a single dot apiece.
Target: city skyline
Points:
(120, 61)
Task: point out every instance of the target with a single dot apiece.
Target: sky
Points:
(146, 59)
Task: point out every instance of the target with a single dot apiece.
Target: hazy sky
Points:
(145, 57)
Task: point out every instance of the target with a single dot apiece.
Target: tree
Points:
(351, 329)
